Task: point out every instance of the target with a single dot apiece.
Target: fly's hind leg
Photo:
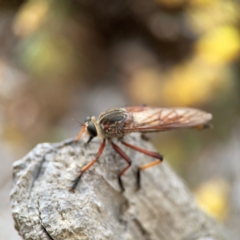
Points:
(128, 160)
(156, 155)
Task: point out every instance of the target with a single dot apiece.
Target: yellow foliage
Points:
(30, 17)
(186, 85)
(219, 46)
(206, 15)
(202, 2)
(211, 197)
(192, 84)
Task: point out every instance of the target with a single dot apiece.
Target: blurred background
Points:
(62, 60)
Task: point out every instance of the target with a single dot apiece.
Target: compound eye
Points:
(92, 129)
(87, 119)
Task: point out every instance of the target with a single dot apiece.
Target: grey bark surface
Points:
(163, 209)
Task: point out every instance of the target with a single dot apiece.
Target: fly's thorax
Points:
(114, 122)
(111, 133)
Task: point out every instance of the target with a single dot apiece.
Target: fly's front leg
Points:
(149, 153)
(85, 168)
(125, 157)
(76, 139)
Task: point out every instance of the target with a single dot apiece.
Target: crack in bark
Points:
(141, 229)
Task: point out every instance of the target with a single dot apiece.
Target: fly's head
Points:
(91, 128)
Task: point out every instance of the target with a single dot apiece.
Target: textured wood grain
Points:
(43, 208)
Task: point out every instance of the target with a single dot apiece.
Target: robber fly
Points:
(117, 122)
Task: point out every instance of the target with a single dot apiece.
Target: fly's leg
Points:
(149, 153)
(85, 168)
(76, 139)
(128, 160)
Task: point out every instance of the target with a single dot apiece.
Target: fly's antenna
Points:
(80, 123)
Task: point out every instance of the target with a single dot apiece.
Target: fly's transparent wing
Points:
(147, 119)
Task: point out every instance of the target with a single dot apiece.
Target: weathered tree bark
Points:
(43, 207)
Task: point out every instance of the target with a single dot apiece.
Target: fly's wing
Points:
(147, 119)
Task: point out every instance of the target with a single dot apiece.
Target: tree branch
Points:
(43, 207)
